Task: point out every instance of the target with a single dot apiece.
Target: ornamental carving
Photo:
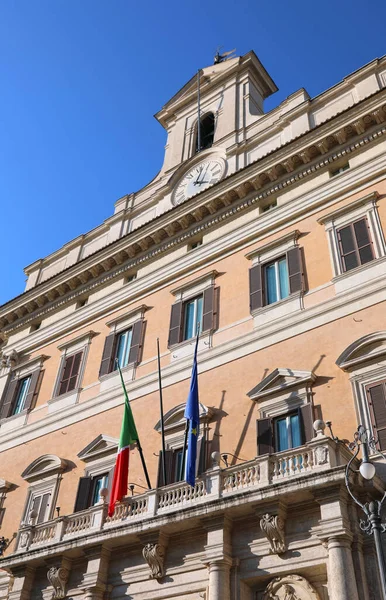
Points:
(154, 554)
(290, 587)
(58, 579)
(321, 455)
(273, 528)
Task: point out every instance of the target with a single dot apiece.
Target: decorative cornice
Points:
(234, 194)
(373, 197)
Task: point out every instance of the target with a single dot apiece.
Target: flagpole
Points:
(162, 415)
(137, 441)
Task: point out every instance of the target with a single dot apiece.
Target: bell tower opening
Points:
(206, 131)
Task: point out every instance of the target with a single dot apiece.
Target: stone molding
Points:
(88, 270)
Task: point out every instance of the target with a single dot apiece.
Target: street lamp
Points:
(372, 525)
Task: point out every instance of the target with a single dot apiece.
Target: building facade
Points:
(269, 234)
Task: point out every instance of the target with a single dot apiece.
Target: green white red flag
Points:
(128, 436)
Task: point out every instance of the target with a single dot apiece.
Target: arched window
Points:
(206, 132)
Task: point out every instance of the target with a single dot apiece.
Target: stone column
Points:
(96, 575)
(23, 580)
(336, 533)
(340, 569)
(219, 557)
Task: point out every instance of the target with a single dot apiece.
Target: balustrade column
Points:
(340, 569)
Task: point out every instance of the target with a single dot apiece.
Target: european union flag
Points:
(193, 416)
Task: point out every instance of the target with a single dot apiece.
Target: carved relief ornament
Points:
(273, 528)
(154, 554)
(58, 578)
(290, 587)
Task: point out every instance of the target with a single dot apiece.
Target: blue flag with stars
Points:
(192, 414)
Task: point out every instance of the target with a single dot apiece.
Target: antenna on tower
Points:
(219, 58)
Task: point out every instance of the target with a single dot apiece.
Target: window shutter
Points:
(83, 494)
(8, 398)
(65, 375)
(363, 239)
(264, 437)
(107, 356)
(208, 309)
(295, 270)
(201, 457)
(306, 418)
(175, 329)
(256, 299)
(33, 390)
(169, 463)
(43, 513)
(377, 403)
(75, 371)
(136, 342)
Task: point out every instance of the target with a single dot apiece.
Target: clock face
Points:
(200, 177)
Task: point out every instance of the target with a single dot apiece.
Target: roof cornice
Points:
(343, 134)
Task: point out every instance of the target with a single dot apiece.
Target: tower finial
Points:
(219, 58)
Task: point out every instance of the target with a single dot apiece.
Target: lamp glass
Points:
(367, 470)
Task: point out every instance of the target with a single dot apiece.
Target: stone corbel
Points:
(58, 577)
(273, 527)
(10, 361)
(154, 552)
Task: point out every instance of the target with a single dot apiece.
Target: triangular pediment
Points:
(101, 446)
(365, 349)
(280, 380)
(215, 75)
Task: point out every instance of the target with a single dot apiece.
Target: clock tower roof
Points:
(213, 76)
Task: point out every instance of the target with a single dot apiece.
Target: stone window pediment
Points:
(367, 348)
(282, 381)
(44, 467)
(174, 419)
(102, 446)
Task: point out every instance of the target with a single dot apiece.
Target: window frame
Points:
(197, 312)
(275, 262)
(80, 344)
(287, 417)
(363, 207)
(16, 399)
(357, 249)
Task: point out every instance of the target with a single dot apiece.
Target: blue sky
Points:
(82, 79)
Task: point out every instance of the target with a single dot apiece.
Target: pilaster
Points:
(23, 581)
(96, 575)
(218, 558)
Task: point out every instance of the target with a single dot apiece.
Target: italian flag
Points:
(128, 436)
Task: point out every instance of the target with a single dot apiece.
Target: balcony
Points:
(264, 477)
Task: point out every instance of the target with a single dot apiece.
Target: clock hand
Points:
(203, 175)
(198, 177)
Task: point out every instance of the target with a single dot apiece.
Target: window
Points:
(376, 397)
(276, 280)
(81, 303)
(341, 169)
(100, 457)
(131, 277)
(207, 124)
(287, 432)
(355, 238)
(20, 394)
(123, 349)
(89, 489)
(187, 315)
(195, 244)
(123, 346)
(35, 327)
(269, 206)
(355, 244)
(69, 373)
(44, 474)
(192, 317)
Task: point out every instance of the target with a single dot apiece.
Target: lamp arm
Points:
(348, 468)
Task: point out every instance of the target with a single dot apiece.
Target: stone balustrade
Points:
(321, 454)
